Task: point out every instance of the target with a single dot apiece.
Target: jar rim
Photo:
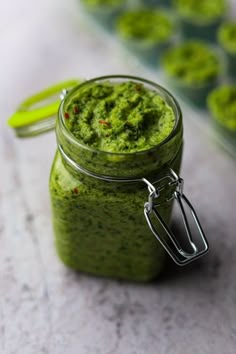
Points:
(171, 100)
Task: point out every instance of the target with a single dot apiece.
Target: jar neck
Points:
(107, 166)
(124, 184)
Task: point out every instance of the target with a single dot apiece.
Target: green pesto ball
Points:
(192, 63)
(227, 36)
(222, 106)
(201, 11)
(146, 25)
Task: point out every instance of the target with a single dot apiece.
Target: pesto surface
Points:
(222, 105)
(148, 25)
(124, 117)
(201, 11)
(193, 63)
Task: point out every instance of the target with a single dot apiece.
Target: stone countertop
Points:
(46, 308)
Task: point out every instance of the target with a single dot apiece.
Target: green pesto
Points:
(148, 25)
(125, 117)
(222, 105)
(192, 63)
(201, 11)
(227, 37)
(100, 227)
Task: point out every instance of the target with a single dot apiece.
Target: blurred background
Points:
(46, 308)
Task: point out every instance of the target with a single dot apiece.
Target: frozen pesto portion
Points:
(193, 63)
(201, 11)
(97, 3)
(144, 24)
(227, 37)
(222, 105)
(125, 117)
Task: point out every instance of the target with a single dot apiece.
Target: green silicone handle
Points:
(26, 114)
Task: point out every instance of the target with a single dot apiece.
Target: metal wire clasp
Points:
(173, 184)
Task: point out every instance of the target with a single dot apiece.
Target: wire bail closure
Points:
(175, 184)
(173, 248)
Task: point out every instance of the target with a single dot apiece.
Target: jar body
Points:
(103, 231)
(98, 198)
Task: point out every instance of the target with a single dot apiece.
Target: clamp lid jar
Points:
(115, 177)
(104, 202)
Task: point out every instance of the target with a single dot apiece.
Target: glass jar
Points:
(109, 209)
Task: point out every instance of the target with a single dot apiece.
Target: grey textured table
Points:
(46, 308)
